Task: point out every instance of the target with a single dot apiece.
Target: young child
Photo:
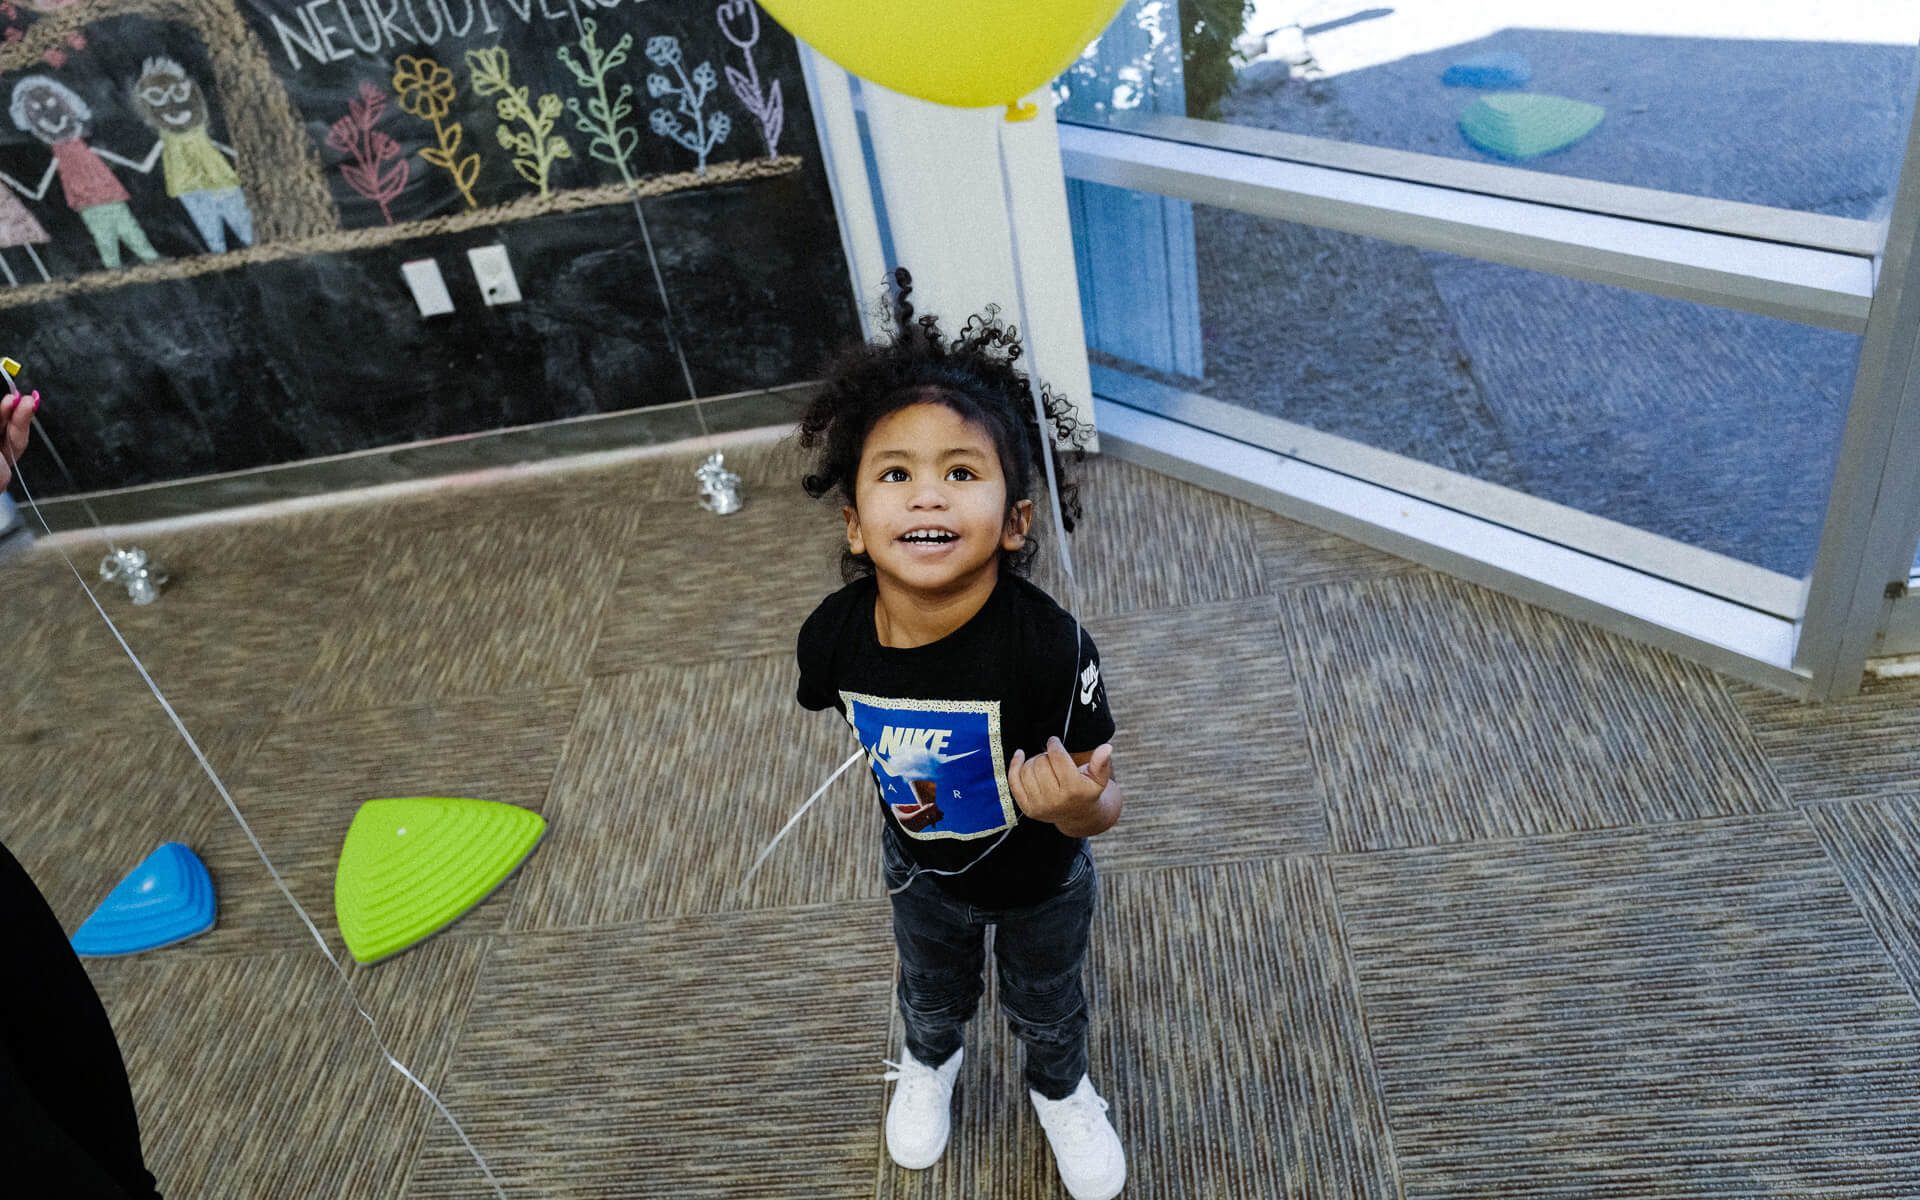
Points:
(981, 706)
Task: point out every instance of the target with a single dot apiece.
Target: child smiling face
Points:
(930, 502)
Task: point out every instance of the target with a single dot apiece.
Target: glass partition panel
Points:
(1712, 429)
(1801, 107)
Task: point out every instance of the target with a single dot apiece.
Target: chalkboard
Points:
(261, 170)
(486, 100)
(324, 354)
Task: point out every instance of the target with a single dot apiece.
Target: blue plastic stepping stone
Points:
(1494, 69)
(167, 899)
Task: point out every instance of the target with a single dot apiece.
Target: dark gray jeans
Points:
(1038, 949)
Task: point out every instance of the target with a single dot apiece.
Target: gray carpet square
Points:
(1211, 748)
(1293, 555)
(1860, 746)
(1227, 1037)
(1443, 712)
(311, 775)
(252, 1077)
(37, 592)
(474, 610)
(43, 602)
(224, 642)
(520, 499)
(76, 681)
(1876, 845)
(80, 816)
(419, 1002)
(36, 580)
(1148, 541)
(98, 787)
(501, 748)
(719, 1056)
(701, 588)
(673, 781)
(1687, 1011)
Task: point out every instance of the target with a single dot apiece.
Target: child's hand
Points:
(15, 419)
(1079, 800)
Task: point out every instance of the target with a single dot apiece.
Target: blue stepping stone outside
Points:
(1494, 69)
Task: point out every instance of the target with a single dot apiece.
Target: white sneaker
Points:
(1085, 1147)
(921, 1114)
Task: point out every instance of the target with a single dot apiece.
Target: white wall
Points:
(956, 219)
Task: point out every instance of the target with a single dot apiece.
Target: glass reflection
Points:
(1798, 107)
(1712, 427)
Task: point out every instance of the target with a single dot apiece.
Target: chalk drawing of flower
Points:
(662, 50)
(375, 168)
(537, 147)
(740, 22)
(489, 64)
(732, 11)
(424, 86)
(708, 130)
(604, 116)
(426, 90)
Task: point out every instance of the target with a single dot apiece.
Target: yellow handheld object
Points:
(10, 368)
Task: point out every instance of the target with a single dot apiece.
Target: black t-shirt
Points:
(940, 723)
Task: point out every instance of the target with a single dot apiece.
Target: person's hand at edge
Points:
(16, 417)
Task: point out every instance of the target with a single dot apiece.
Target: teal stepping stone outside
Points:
(1521, 125)
(167, 899)
(1494, 69)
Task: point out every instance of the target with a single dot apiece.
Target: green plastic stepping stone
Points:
(1524, 125)
(411, 867)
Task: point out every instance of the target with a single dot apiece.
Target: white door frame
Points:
(973, 204)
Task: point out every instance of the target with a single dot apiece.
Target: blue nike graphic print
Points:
(937, 763)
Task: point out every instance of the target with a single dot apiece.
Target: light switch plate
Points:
(494, 274)
(429, 289)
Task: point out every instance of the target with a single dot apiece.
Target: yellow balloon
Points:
(969, 55)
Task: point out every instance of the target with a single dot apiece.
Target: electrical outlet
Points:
(429, 289)
(494, 274)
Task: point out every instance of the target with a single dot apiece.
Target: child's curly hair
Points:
(974, 375)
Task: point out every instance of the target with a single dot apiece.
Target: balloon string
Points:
(353, 997)
(1041, 425)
